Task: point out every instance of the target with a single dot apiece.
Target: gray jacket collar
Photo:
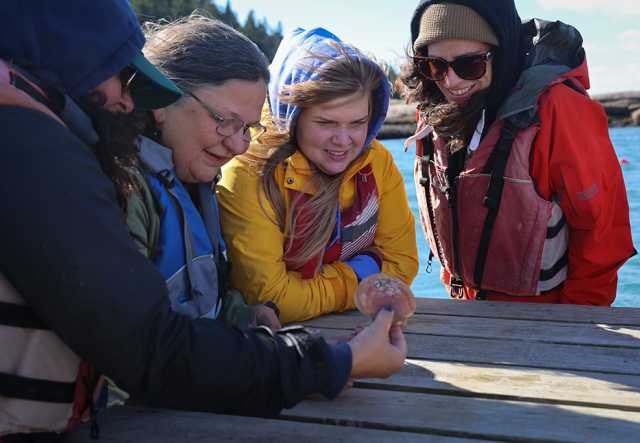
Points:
(155, 156)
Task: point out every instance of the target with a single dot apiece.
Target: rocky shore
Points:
(622, 108)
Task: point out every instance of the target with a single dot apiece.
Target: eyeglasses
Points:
(127, 76)
(229, 126)
(467, 67)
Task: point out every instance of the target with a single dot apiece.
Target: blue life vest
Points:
(191, 250)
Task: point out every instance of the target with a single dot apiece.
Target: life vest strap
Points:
(26, 388)
(20, 316)
(500, 156)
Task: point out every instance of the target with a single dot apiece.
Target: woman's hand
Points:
(266, 316)
(379, 349)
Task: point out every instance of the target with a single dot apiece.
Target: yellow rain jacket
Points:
(255, 242)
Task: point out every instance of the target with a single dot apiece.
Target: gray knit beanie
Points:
(443, 21)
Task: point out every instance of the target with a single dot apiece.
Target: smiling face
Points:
(331, 135)
(454, 88)
(192, 134)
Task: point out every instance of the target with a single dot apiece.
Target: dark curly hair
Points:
(116, 149)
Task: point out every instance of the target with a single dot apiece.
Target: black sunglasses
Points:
(467, 67)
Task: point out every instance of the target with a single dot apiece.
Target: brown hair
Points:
(348, 73)
(116, 148)
(196, 51)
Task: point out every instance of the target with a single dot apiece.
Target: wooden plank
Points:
(141, 425)
(526, 311)
(608, 360)
(508, 421)
(498, 328)
(535, 385)
(530, 311)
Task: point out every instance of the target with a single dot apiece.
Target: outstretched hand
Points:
(266, 316)
(380, 349)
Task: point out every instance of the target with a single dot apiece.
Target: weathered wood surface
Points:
(477, 372)
(515, 330)
(136, 425)
(474, 417)
(527, 384)
(514, 311)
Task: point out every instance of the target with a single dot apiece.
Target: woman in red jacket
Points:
(521, 193)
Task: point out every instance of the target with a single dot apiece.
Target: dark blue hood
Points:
(73, 45)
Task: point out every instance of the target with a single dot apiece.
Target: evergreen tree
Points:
(250, 28)
(153, 10)
(259, 32)
(271, 40)
(229, 17)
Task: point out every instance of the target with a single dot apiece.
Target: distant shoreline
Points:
(622, 108)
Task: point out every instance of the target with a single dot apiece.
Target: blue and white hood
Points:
(293, 64)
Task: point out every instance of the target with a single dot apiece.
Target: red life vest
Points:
(487, 224)
(44, 385)
(526, 250)
(355, 232)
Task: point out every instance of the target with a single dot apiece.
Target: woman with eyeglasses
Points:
(317, 204)
(173, 214)
(520, 191)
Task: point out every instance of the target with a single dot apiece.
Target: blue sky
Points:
(611, 29)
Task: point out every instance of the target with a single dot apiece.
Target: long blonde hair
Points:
(347, 74)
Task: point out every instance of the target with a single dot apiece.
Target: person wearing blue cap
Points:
(77, 299)
(317, 204)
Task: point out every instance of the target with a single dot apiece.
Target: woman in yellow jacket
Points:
(317, 204)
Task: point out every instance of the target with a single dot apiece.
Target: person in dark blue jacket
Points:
(68, 267)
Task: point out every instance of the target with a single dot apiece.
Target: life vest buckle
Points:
(167, 178)
(456, 287)
(490, 203)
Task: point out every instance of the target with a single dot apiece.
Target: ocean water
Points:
(627, 144)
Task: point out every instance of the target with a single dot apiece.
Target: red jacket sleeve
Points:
(574, 162)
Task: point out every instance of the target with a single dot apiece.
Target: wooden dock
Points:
(476, 372)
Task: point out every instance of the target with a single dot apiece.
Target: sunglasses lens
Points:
(436, 69)
(470, 68)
